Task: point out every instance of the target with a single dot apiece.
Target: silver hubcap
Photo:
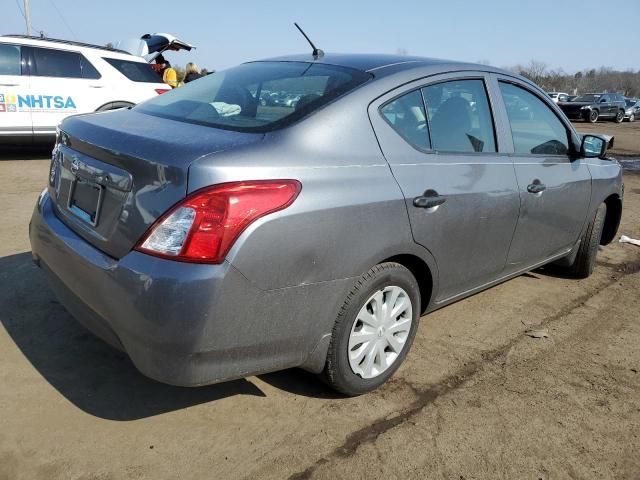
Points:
(380, 332)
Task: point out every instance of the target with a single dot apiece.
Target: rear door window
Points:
(88, 70)
(534, 127)
(407, 116)
(459, 116)
(10, 60)
(56, 63)
(134, 71)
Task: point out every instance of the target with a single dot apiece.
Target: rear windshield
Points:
(135, 71)
(256, 97)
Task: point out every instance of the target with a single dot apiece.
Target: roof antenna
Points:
(317, 53)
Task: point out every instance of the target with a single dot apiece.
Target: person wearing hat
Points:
(168, 74)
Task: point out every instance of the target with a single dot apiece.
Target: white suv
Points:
(43, 81)
(558, 97)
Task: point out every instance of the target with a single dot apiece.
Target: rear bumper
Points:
(181, 323)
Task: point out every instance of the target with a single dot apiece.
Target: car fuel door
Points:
(461, 195)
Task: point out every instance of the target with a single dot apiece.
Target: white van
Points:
(44, 80)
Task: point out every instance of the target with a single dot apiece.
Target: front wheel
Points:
(592, 116)
(632, 117)
(374, 329)
(583, 264)
(619, 117)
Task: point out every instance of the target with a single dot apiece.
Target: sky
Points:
(568, 34)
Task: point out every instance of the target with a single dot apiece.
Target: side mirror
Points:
(594, 147)
(603, 100)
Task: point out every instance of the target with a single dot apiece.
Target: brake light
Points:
(160, 91)
(203, 227)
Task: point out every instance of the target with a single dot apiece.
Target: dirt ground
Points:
(475, 399)
(627, 135)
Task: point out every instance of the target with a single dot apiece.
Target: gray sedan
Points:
(212, 236)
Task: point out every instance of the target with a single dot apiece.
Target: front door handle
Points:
(429, 199)
(96, 86)
(536, 187)
(8, 84)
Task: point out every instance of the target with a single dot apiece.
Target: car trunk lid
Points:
(115, 173)
(151, 45)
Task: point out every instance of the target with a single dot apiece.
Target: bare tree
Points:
(602, 79)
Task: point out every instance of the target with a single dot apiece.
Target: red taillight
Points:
(160, 91)
(204, 226)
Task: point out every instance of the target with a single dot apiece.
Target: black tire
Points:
(337, 372)
(585, 260)
(619, 116)
(592, 116)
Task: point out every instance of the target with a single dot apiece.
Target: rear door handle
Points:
(536, 187)
(429, 199)
(96, 86)
(8, 84)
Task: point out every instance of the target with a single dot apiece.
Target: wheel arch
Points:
(422, 273)
(612, 220)
(114, 105)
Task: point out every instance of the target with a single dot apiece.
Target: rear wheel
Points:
(592, 116)
(374, 329)
(619, 116)
(583, 264)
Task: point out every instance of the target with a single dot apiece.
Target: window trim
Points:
(569, 155)
(482, 76)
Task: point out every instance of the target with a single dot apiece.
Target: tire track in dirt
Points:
(426, 396)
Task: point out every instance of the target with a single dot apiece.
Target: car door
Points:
(62, 83)
(15, 117)
(438, 137)
(606, 106)
(554, 188)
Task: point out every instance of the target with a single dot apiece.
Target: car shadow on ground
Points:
(33, 152)
(95, 377)
(300, 382)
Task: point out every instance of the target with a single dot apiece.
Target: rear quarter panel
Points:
(350, 214)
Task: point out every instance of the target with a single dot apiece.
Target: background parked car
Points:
(593, 106)
(632, 112)
(558, 96)
(42, 81)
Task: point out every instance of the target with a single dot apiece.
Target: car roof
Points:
(57, 42)
(370, 62)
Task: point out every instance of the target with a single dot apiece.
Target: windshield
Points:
(256, 97)
(586, 98)
(630, 103)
